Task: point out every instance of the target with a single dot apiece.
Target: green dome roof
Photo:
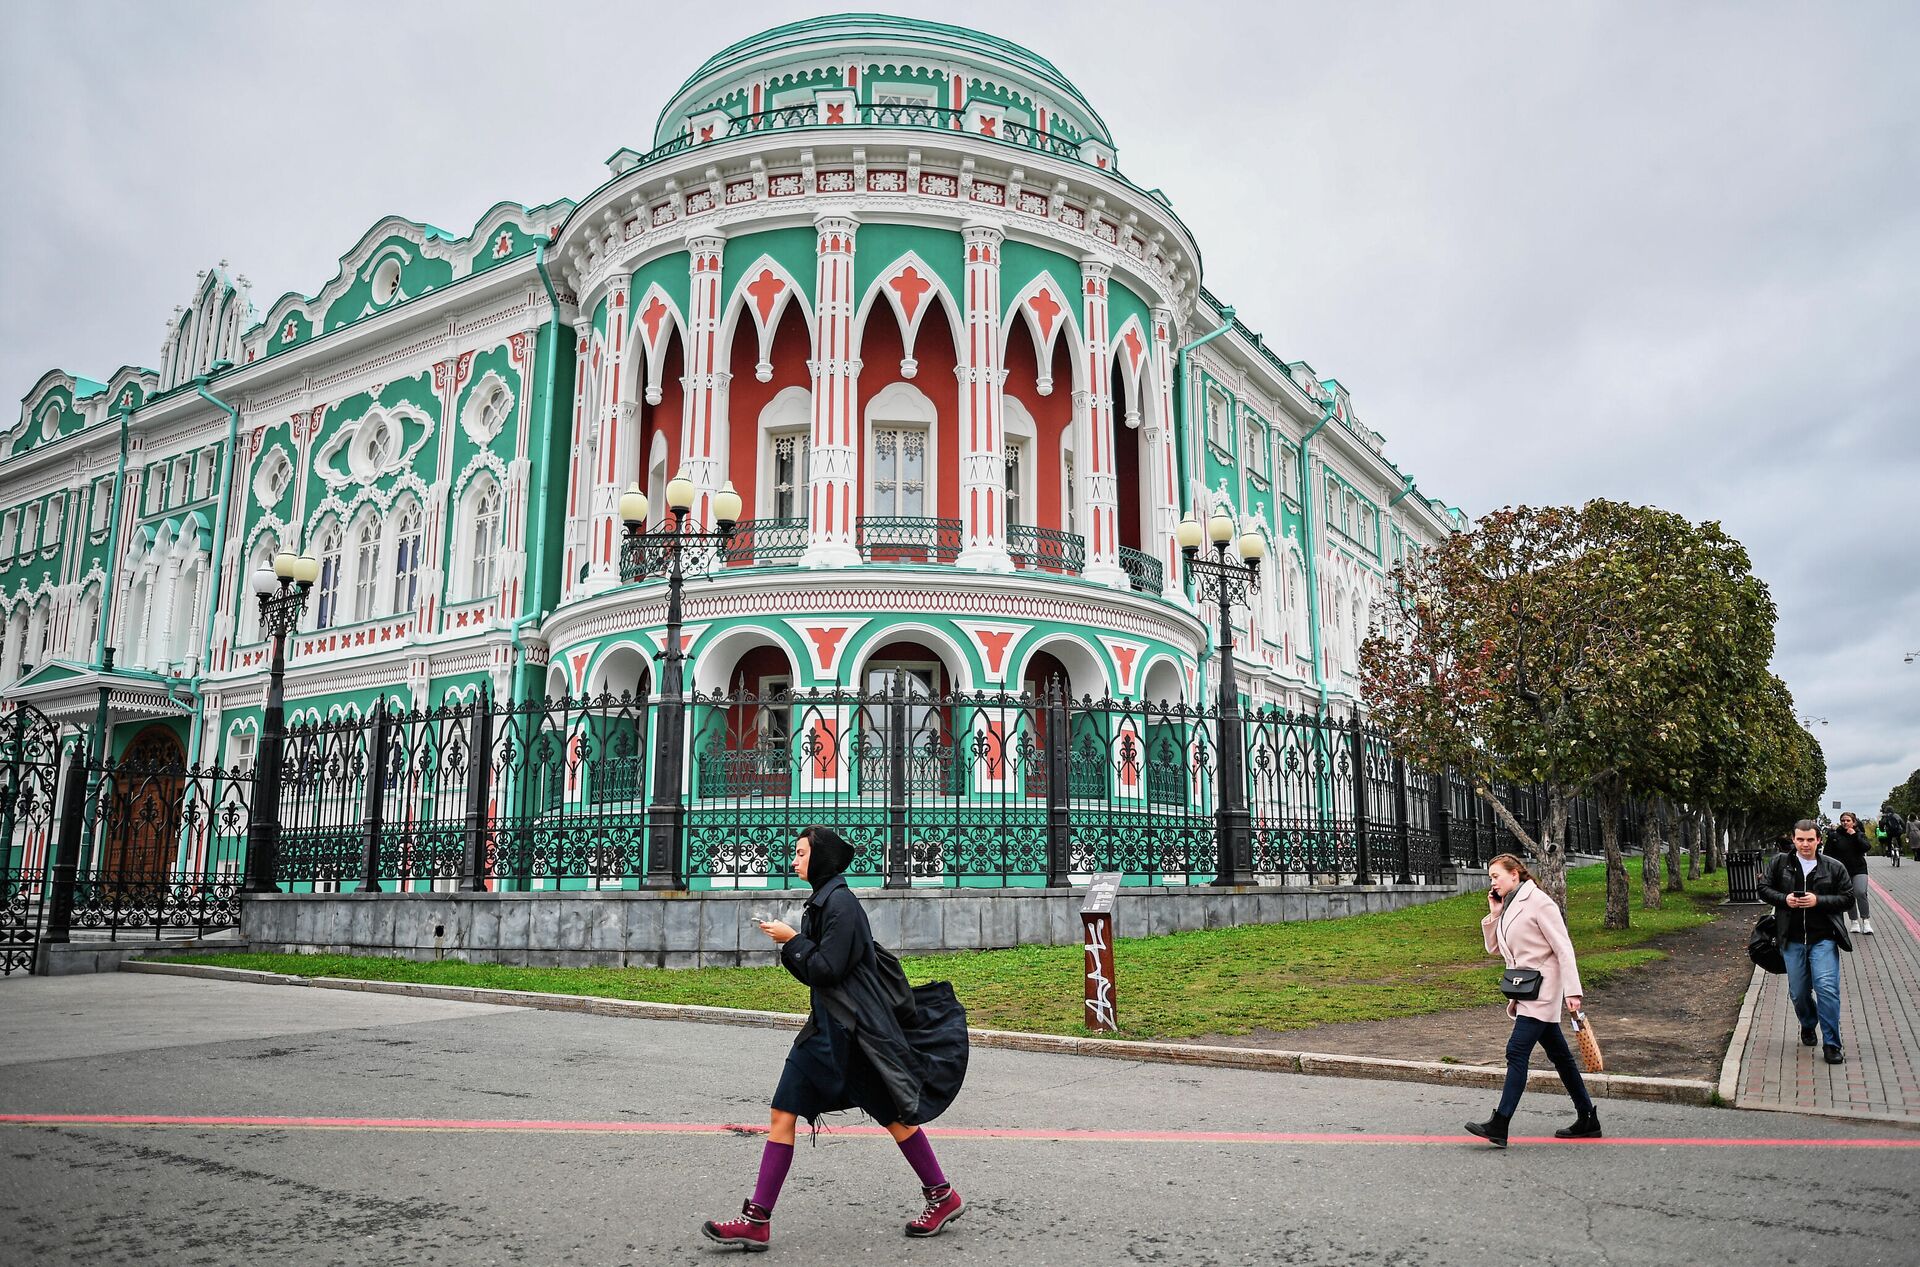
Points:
(872, 33)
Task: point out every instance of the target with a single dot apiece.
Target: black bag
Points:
(1522, 985)
(1764, 946)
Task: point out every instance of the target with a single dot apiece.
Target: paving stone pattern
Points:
(1879, 1020)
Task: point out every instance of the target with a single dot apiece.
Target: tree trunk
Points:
(1617, 913)
(1677, 826)
(1547, 859)
(1650, 833)
(1711, 843)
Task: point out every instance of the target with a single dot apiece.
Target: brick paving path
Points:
(1879, 1020)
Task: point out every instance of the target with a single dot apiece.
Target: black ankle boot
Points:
(1493, 1130)
(1586, 1126)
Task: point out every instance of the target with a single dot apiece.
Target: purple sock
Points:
(919, 1155)
(774, 1160)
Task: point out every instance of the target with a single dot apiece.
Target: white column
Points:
(1103, 515)
(704, 385)
(1166, 467)
(983, 469)
(603, 506)
(833, 504)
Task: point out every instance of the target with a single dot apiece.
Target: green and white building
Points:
(884, 276)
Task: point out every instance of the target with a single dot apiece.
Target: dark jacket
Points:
(913, 1040)
(1851, 850)
(1828, 881)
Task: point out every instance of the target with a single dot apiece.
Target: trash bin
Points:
(1743, 875)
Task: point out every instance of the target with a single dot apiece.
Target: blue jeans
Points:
(1813, 983)
(1526, 1032)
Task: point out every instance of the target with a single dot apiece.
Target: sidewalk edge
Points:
(1476, 1077)
(1737, 1045)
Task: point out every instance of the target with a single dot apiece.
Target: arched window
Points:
(366, 567)
(86, 629)
(250, 604)
(900, 464)
(406, 557)
(326, 598)
(786, 464)
(483, 539)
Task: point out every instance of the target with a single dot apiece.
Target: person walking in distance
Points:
(872, 1042)
(1524, 926)
(1847, 844)
(1893, 829)
(1812, 892)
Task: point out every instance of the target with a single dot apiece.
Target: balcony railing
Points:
(907, 539)
(1046, 549)
(1143, 571)
(932, 118)
(763, 543)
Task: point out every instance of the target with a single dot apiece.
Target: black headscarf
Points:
(829, 854)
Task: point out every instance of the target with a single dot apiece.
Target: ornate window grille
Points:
(1072, 498)
(484, 575)
(366, 576)
(1016, 500)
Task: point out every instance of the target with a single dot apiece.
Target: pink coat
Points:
(1529, 932)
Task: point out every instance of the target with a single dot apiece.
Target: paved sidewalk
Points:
(1879, 1021)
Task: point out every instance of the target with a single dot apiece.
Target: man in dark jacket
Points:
(1813, 893)
(1893, 829)
(1847, 844)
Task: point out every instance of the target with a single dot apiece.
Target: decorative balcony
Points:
(1046, 549)
(930, 118)
(766, 543)
(1143, 571)
(907, 539)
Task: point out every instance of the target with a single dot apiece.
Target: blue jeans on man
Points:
(1813, 983)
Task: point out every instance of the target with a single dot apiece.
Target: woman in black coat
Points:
(871, 1042)
(1847, 844)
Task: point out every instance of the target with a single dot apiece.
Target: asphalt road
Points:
(1100, 1161)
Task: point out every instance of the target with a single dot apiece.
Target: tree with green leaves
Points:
(1904, 799)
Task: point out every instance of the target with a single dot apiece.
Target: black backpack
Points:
(1764, 946)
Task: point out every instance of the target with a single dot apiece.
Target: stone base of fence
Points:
(716, 929)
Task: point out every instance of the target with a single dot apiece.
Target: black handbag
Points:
(1522, 985)
(1763, 947)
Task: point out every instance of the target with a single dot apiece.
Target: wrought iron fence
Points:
(905, 115)
(907, 539)
(956, 790)
(766, 543)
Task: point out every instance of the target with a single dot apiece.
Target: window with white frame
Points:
(29, 530)
(9, 533)
(1289, 469)
(902, 95)
(483, 518)
(180, 487)
(1254, 460)
(102, 506)
(250, 609)
(56, 514)
(155, 477)
(1070, 493)
(326, 606)
(203, 475)
(50, 420)
(1219, 425)
(1016, 485)
(380, 446)
(494, 410)
(790, 464)
(900, 471)
(366, 568)
(408, 534)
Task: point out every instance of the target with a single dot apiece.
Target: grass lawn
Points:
(1224, 981)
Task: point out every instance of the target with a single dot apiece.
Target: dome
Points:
(777, 67)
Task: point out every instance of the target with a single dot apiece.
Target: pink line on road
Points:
(978, 1132)
(1913, 925)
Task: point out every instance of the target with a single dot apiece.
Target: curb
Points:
(1476, 1077)
(1737, 1045)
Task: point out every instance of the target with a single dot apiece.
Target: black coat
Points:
(912, 1041)
(1828, 881)
(1849, 850)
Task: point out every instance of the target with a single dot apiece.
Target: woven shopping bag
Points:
(1588, 1045)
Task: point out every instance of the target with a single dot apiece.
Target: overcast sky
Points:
(1666, 253)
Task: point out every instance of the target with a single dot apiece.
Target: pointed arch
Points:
(763, 294)
(1046, 309)
(1132, 353)
(909, 287)
(656, 319)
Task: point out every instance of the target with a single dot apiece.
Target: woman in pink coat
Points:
(1524, 926)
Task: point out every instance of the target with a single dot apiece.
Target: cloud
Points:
(1664, 253)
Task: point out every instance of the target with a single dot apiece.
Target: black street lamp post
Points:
(1226, 582)
(672, 549)
(282, 591)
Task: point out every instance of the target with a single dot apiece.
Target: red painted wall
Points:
(1052, 416)
(664, 417)
(747, 395)
(1126, 450)
(880, 354)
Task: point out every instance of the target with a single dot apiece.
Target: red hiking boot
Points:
(943, 1207)
(752, 1231)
